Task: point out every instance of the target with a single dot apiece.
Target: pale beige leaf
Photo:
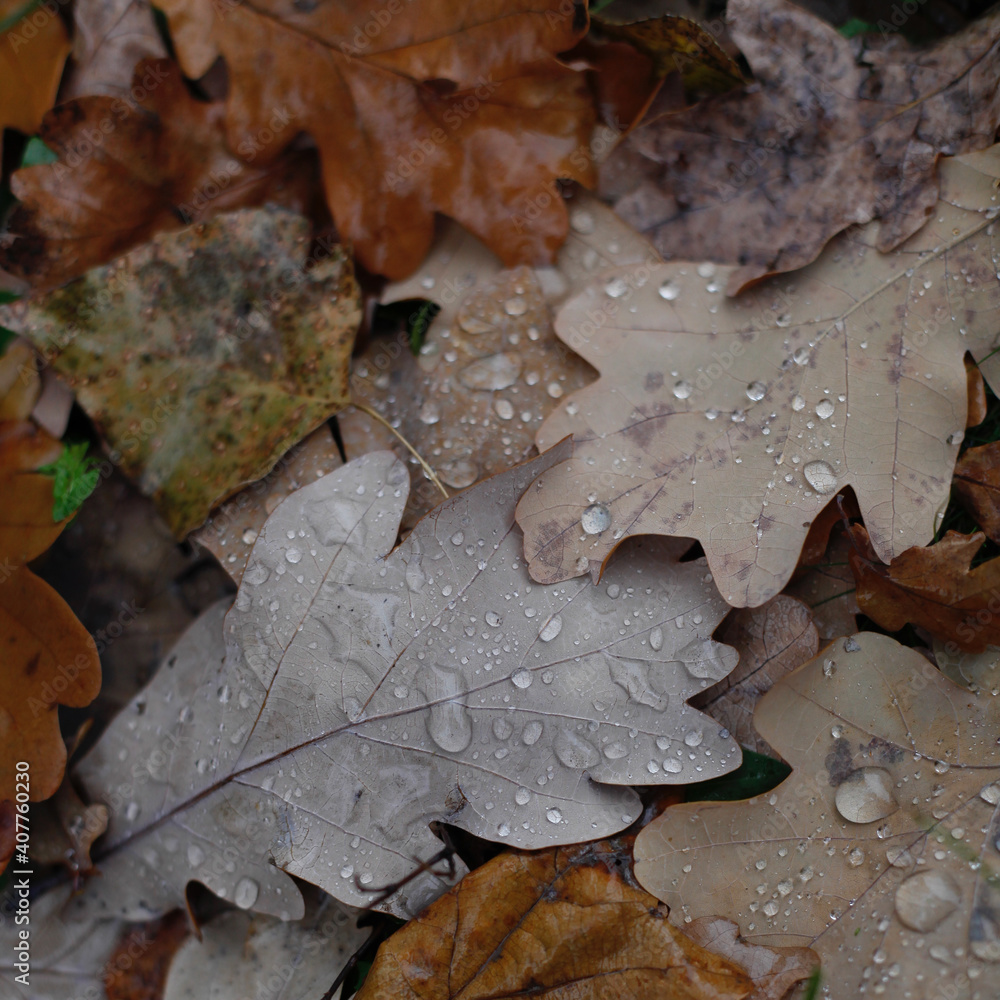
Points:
(360, 694)
(734, 421)
(879, 850)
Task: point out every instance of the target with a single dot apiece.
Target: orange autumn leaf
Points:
(462, 109)
(933, 587)
(32, 53)
(570, 922)
(129, 168)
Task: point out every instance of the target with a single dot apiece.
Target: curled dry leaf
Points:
(361, 695)
(933, 587)
(977, 483)
(411, 115)
(491, 368)
(734, 421)
(109, 38)
(63, 830)
(245, 352)
(240, 954)
(831, 132)
(879, 850)
(565, 923)
(233, 527)
(772, 640)
(129, 168)
(32, 55)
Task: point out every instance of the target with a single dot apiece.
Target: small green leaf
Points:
(75, 479)
(811, 990)
(857, 26)
(6, 336)
(756, 775)
(419, 323)
(37, 154)
(6, 296)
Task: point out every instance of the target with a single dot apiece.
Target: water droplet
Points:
(798, 403)
(256, 574)
(503, 830)
(574, 751)
(595, 519)
(783, 320)
(899, 857)
(615, 288)
(195, 855)
(504, 409)
(923, 900)
(502, 729)
(553, 815)
(990, 794)
(669, 290)
(756, 391)
(347, 871)
(824, 409)
(132, 812)
(682, 389)
(615, 751)
(581, 221)
(249, 536)
(429, 413)
(522, 796)
(521, 678)
(856, 857)
(771, 908)
(656, 638)
(613, 591)
(865, 795)
(706, 269)
(246, 893)
(499, 371)
(293, 555)
(450, 726)
(984, 936)
(694, 738)
(801, 356)
(672, 765)
(532, 731)
(493, 619)
(551, 629)
(515, 306)
(820, 477)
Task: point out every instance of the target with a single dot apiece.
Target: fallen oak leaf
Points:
(831, 132)
(734, 421)
(865, 853)
(247, 354)
(977, 483)
(564, 922)
(426, 683)
(129, 168)
(411, 116)
(140, 963)
(933, 587)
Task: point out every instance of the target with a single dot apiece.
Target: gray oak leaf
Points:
(366, 692)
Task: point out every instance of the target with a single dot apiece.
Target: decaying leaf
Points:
(411, 116)
(129, 168)
(827, 589)
(32, 53)
(977, 483)
(772, 640)
(241, 954)
(831, 132)
(564, 923)
(734, 421)
(491, 368)
(109, 38)
(137, 969)
(231, 530)
(879, 851)
(244, 352)
(359, 698)
(64, 828)
(933, 587)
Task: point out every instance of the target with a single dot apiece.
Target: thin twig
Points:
(375, 415)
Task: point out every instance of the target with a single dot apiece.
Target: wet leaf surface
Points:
(436, 683)
(832, 132)
(735, 420)
(977, 482)
(244, 352)
(879, 850)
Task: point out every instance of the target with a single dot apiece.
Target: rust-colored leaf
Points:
(49, 659)
(32, 52)
(977, 483)
(137, 969)
(565, 923)
(932, 587)
(130, 167)
(831, 132)
(412, 113)
(977, 394)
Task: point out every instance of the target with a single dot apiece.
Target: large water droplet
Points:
(798, 403)
(581, 221)
(500, 371)
(820, 477)
(595, 519)
(195, 855)
(246, 893)
(493, 619)
(531, 733)
(256, 574)
(551, 629)
(694, 738)
(521, 678)
(656, 638)
(865, 795)
(672, 765)
(293, 555)
(615, 288)
(429, 413)
(504, 409)
(824, 409)
(553, 815)
(450, 726)
(756, 391)
(574, 751)
(669, 290)
(502, 729)
(522, 796)
(923, 900)
(682, 389)
(515, 306)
